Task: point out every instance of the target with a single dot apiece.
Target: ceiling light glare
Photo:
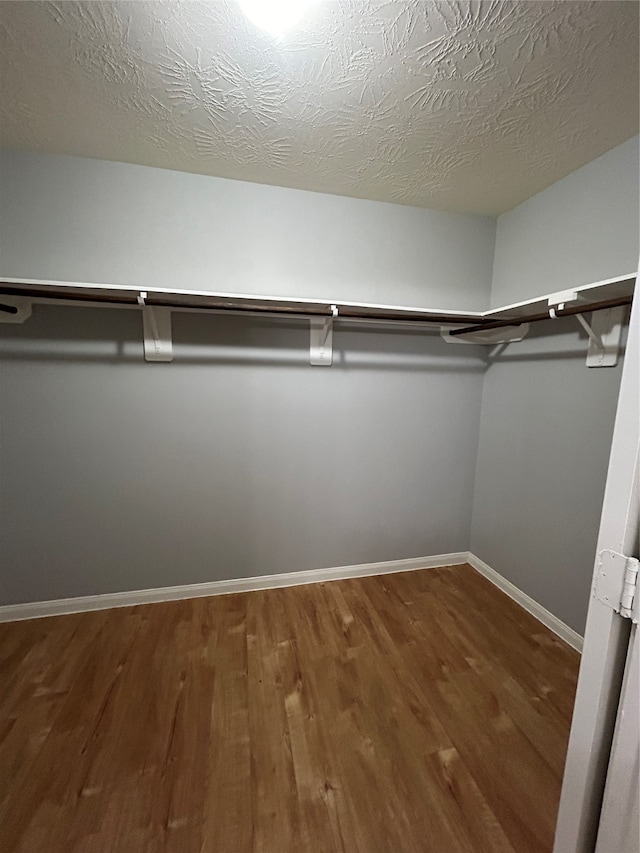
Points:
(275, 16)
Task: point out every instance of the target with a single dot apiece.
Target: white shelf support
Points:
(604, 330)
(321, 339)
(593, 337)
(604, 344)
(156, 325)
(15, 309)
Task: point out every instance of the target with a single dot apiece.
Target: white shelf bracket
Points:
(593, 337)
(321, 339)
(156, 325)
(15, 309)
(604, 330)
(606, 335)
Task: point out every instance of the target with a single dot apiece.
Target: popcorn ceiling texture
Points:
(451, 105)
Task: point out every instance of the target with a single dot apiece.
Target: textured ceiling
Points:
(439, 103)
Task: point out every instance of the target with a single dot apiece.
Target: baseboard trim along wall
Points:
(14, 612)
(58, 607)
(571, 637)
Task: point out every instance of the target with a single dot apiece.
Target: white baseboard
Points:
(554, 624)
(60, 606)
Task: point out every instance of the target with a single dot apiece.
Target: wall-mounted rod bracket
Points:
(321, 339)
(15, 309)
(156, 325)
(558, 301)
(503, 335)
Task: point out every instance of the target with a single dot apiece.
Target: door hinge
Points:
(616, 583)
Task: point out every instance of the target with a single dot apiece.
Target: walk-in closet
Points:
(319, 426)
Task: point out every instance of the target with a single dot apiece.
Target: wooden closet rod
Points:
(581, 308)
(300, 308)
(285, 308)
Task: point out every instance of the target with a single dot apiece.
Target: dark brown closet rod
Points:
(300, 309)
(582, 308)
(284, 308)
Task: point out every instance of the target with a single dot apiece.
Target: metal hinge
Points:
(616, 584)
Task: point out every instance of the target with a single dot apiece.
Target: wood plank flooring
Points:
(422, 711)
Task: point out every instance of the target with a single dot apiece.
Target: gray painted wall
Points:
(75, 219)
(545, 435)
(547, 419)
(582, 229)
(238, 459)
